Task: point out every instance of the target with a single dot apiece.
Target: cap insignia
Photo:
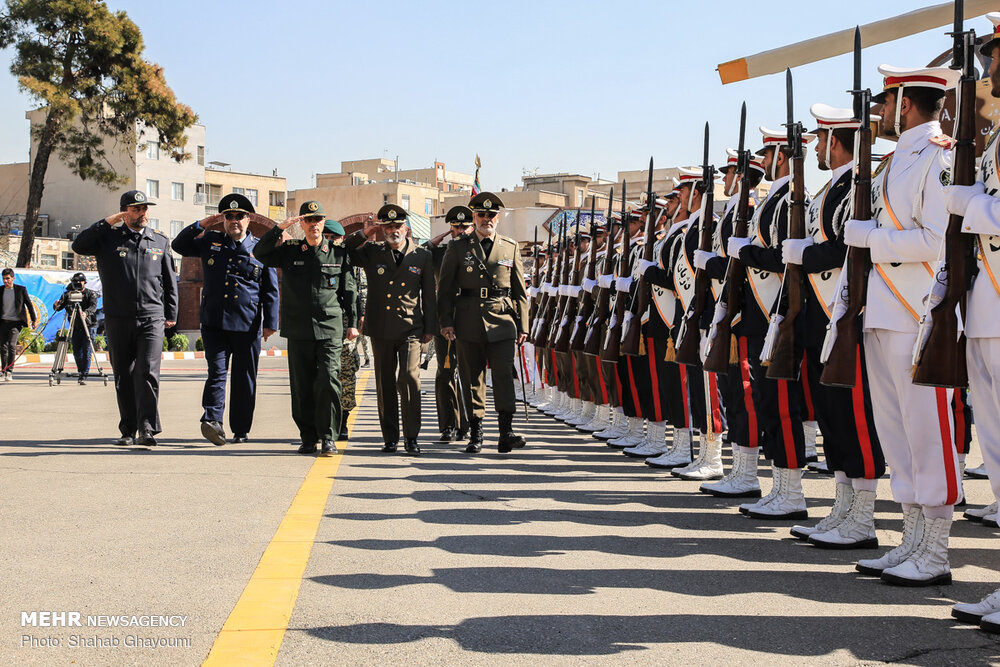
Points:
(139, 196)
(313, 206)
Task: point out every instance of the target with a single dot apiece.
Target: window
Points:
(177, 191)
(68, 261)
(579, 197)
(154, 223)
(153, 150)
(404, 201)
(201, 155)
(428, 206)
(238, 191)
(152, 189)
(175, 227)
(214, 194)
(49, 260)
(276, 198)
(251, 194)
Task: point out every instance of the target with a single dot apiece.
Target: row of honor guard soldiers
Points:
(921, 432)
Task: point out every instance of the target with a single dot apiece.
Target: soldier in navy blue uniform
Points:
(140, 302)
(239, 298)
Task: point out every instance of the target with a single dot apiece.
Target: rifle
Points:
(840, 348)
(689, 337)
(602, 309)
(717, 360)
(939, 355)
(564, 331)
(547, 307)
(563, 283)
(781, 365)
(535, 280)
(632, 333)
(611, 349)
(586, 308)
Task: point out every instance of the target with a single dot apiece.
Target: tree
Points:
(84, 64)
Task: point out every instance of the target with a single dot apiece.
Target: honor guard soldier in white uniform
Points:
(914, 422)
(483, 306)
(140, 302)
(401, 316)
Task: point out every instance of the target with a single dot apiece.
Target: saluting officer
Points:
(401, 316)
(317, 302)
(453, 419)
(140, 302)
(239, 297)
(483, 305)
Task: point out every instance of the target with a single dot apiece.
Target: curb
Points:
(50, 357)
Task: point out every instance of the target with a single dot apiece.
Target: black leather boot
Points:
(508, 439)
(343, 425)
(475, 436)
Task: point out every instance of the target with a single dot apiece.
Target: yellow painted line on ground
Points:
(256, 627)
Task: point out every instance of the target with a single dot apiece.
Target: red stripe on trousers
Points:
(604, 387)
(684, 395)
(713, 394)
(959, 423)
(524, 367)
(555, 370)
(947, 446)
(861, 420)
(576, 377)
(541, 370)
(784, 412)
(748, 393)
(806, 392)
(635, 390)
(654, 380)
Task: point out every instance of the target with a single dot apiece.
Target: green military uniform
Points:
(482, 295)
(401, 309)
(317, 302)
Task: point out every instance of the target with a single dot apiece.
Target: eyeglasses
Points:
(313, 219)
(489, 215)
(239, 215)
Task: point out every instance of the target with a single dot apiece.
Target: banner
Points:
(45, 288)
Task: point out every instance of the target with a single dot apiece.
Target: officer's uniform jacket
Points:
(908, 203)
(317, 286)
(238, 292)
(762, 257)
(401, 302)
(464, 292)
(663, 278)
(982, 218)
(136, 269)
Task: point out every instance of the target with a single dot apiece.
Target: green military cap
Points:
(391, 214)
(459, 216)
(333, 227)
(312, 209)
(486, 201)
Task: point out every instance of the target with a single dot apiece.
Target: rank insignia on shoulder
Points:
(942, 140)
(945, 177)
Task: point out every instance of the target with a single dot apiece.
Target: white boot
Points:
(771, 495)
(973, 613)
(542, 398)
(654, 444)
(710, 467)
(600, 420)
(856, 531)
(842, 498)
(586, 415)
(557, 403)
(913, 531)
(617, 428)
(928, 564)
(569, 405)
(741, 482)
(790, 503)
(576, 409)
(635, 434)
(696, 461)
(978, 513)
(678, 454)
(979, 472)
(810, 429)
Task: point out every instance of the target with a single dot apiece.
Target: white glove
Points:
(701, 258)
(532, 292)
(604, 282)
(563, 290)
(623, 284)
(589, 285)
(736, 243)
(958, 197)
(553, 290)
(573, 292)
(792, 249)
(856, 232)
(645, 264)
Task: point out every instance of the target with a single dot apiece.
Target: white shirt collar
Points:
(839, 171)
(775, 186)
(915, 138)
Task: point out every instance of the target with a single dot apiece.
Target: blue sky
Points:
(587, 87)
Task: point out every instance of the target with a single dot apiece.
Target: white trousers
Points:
(983, 355)
(914, 423)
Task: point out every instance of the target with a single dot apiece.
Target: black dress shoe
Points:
(239, 439)
(389, 447)
(214, 433)
(328, 448)
(462, 434)
(448, 434)
(411, 447)
(305, 448)
(342, 436)
(145, 439)
(474, 448)
(124, 441)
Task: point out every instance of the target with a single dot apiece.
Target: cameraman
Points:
(77, 289)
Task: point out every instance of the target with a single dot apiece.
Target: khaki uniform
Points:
(485, 300)
(451, 410)
(401, 308)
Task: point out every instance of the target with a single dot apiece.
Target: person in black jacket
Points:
(140, 303)
(83, 331)
(16, 312)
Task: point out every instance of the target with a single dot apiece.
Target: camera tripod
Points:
(73, 316)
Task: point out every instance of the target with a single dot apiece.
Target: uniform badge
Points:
(945, 178)
(468, 269)
(313, 206)
(506, 262)
(304, 247)
(211, 261)
(415, 270)
(326, 248)
(381, 270)
(122, 253)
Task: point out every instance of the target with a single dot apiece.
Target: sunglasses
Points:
(489, 215)
(311, 219)
(235, 216)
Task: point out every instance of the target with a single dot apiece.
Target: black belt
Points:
(486, 292)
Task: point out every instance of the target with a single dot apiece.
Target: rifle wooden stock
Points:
(688, 348)
(560, 307)
(612, 339)
(602, 308)
(548, 306)
(564, 331)
(586, 308)
(782, 365)
(633, 330)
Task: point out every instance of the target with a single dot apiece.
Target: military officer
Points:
(453, 419)
(140, 302)
(239, 299)
(483, 305)
(317, 302)
(401, 315)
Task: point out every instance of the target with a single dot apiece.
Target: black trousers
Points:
(136, 349)
(741, 417)
(778, 404)
(633, 373)
(236, 353)
(9, 331)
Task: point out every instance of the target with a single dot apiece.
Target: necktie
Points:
(487, 246)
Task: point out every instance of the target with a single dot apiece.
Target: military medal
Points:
(468, 269)
(211, 261)
(122, 253)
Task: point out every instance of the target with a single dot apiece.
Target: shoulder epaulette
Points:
(942, 140)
